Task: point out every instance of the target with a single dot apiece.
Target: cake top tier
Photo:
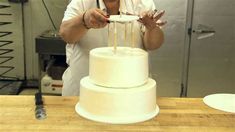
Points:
(125, 68)
(121, 52)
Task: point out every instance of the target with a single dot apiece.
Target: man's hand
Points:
(151, 19)
(95, 18)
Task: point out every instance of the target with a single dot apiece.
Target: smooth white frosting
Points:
(127, 67)
(119, 106)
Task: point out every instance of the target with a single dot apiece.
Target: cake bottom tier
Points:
(117, 106)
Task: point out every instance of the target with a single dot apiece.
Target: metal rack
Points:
(4, 52)
(6, 81)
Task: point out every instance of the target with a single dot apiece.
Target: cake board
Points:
(221, 101)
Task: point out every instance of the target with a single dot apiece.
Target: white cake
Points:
(118, 106)
(118, 89)
(128, 67)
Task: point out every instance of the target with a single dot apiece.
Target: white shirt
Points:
(77, 55)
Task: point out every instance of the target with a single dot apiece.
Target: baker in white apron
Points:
(84, 27)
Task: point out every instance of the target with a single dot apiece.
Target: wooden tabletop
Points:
(176, 114)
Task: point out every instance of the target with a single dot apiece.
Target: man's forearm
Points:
(153, 38)
(72, 30)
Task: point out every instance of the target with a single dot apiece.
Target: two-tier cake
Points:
(118, 89)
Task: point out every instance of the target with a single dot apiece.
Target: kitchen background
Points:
(197, 58)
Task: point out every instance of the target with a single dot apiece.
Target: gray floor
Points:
(10, 87)
(15, 88)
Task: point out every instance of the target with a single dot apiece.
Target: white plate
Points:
(224, 102)
(123, 18)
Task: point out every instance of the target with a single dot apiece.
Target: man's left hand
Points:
(151, 19)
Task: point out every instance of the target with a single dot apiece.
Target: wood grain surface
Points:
(176, 114)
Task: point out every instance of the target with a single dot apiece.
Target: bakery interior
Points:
(196, 60)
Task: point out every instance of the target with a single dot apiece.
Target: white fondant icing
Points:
(127, 67)
(119, 106)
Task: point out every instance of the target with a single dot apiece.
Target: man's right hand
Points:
(95, 18)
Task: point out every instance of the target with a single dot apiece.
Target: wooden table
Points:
(176, 114)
